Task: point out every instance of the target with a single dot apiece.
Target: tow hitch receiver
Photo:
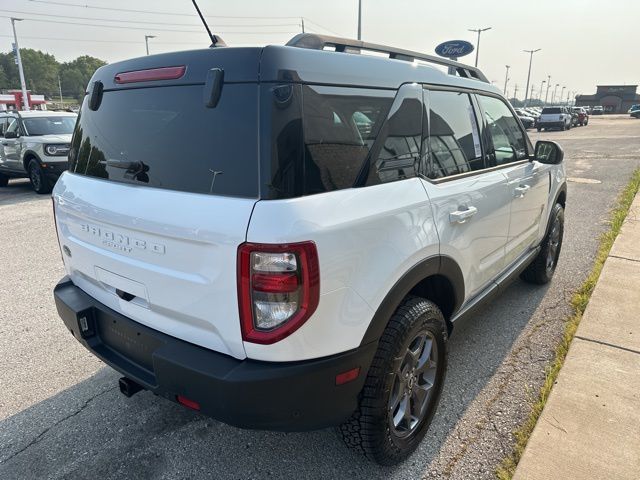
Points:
(128, 387)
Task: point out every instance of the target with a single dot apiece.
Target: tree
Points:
(41, 72)
(75, 75)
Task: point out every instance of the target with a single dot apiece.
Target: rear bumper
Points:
(291, 396)
(550, 124)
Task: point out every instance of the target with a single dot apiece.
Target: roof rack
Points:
(320, 42)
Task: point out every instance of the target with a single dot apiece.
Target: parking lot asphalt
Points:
(62, 416)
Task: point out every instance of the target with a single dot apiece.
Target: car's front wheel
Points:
(541, 269)
(39, 181)
(403, 385)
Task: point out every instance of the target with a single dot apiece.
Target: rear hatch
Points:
(551, 115)
(159, 194)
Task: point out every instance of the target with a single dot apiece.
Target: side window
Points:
(508, 143)
(3, 125)
(398, 156)
(13, 125)
(454, 140)
(340, 125)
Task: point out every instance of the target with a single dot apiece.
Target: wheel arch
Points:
(437, 278)
(27, 157)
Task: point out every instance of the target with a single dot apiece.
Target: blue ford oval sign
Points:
(454, 49)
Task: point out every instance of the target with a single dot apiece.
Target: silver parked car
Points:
(35, 144)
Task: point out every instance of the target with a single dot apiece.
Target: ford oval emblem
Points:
(454, 48)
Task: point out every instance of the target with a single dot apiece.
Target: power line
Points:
(173, 14)
(318, 25)
(152, 23)
(130, 28)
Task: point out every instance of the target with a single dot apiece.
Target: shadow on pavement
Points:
(91, 431)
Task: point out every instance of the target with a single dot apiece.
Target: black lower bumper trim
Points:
(289, 396)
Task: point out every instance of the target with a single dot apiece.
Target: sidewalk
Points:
(590, 425)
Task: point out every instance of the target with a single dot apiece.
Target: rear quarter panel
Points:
(367, 238)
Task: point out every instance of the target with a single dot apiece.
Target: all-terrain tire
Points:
(541, 269)
(371, 429)
(39, 180)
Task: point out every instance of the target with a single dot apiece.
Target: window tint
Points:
(166, 137)
(508, 142)
(340, 126)
(399, 154)
(454, 141)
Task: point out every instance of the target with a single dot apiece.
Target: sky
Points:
(583, 43)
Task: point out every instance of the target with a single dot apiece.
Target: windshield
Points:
(49, 125)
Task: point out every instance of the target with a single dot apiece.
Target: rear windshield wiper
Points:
(124, 164)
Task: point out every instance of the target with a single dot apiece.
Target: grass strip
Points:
(579, 302)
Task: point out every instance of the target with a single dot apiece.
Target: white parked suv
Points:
(285, 237)
(35, 144)
(555, 117)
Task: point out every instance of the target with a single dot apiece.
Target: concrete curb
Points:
(589, 428)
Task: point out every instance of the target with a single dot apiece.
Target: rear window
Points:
(166, 137)
(551, 110)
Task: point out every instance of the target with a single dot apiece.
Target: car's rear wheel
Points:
(4, 180)
(39, 181)
(403, 385)
(543, 266)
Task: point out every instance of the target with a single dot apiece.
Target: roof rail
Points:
(319, 42)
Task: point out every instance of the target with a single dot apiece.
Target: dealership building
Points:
(614, 98)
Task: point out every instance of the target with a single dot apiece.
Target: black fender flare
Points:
(561, 190)
(435, 265)
(27, 154)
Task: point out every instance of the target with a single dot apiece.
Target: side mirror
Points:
(548, 152)
(11, 134)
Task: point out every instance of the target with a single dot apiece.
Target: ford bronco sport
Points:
(35, 144)
(285, 237)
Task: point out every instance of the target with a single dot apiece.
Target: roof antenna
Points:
(216, 41)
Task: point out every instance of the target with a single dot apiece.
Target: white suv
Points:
(284, 237)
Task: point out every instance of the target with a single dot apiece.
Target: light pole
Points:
(541, 87)
(515, 92)
(146, 41)
(478, 31)
(553, 97)
(23, 85)
(562, 93)
(526, 90)
(506, 78)
(546, 97)
(359, 19)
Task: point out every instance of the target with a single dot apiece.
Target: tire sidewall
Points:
(35, 166)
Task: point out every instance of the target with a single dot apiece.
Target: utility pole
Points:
(23, 85)
(526, 90)
(546, 97)
(515, 92)
(562, 93)
(478, 31)
(359, 19)
(506, 78)
(541, 87)
(553, 97)
(146, 41)
(60, 90)
(302, 23)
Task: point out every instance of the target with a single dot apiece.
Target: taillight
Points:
(278, 289)
(151, 74)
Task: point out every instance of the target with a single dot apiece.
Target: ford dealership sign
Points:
(454, 49)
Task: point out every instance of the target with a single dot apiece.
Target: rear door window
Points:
(454, 139)
(166, 137)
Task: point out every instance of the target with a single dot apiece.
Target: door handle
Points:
(461, 216)
(521, 191)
